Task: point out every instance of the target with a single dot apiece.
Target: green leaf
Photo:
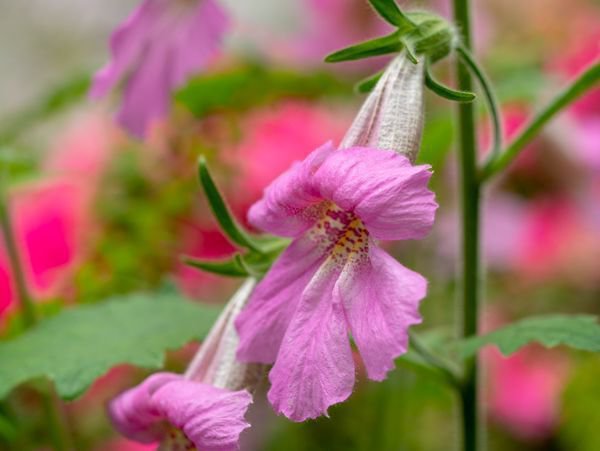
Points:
(82, 343)
(378, 46)
(229, 225)
(389, 11)
(579, 332)
(366, 85)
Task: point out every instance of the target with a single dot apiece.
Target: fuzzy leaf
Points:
(82, 343)
(577, 331)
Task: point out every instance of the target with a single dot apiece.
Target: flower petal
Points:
(212, 418)
(381, 298)
(134, 414)
(263, 322)
(147, 95)
(290, 204)
(314, 368)
(126, 45)
(382, 188)
(205, 29)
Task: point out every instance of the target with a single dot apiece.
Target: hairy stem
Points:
(470, 199)
(55, 416)
(584, 82)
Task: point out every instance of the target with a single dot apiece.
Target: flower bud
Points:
(432, 36)
(392, 116)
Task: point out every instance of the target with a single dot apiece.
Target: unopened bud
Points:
(391, 118)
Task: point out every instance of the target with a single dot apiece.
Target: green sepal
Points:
(254, 264)
(229, 225)
(374, 47)
(410, 52)
(366, 85)
(447, 92)
(433, 35)
(391, 13)
(230, 267)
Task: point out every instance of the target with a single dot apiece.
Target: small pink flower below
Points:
(181, 414)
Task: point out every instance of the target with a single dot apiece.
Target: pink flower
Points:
(160, 45)
(48, 220)
(169, 408)
(334, 279)
(524, 392)
(204, 408)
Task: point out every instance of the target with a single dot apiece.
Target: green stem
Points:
(27, 307)
(55, 416)
(489, 95)
(585, 81)
(470, 199)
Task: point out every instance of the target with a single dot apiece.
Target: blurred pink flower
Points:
(121, 444)
(558, 240)
(583, 122)
(273, 139)
(334, 279)
(514, 117)
(48, 220)
(524, 390)
(502, 228)
(84, 150)
(160, 45)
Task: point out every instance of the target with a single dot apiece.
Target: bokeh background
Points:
(98, 213)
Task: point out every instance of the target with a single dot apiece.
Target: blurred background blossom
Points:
(99, 213)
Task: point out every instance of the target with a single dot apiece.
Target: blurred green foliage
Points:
(251, 86)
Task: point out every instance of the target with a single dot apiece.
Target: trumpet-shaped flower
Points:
(182, 414)
(204, 408)
(334, 280)
(160, 45)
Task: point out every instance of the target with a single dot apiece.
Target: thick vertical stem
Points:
(470, 196)
(53, 409)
